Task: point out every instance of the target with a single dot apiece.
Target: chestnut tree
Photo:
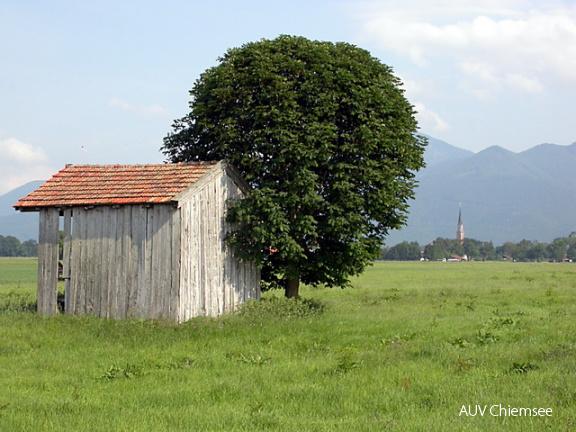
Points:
(328, 142)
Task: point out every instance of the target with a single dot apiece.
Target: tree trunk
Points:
(292, 286)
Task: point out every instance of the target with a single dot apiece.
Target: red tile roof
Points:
(83, 185)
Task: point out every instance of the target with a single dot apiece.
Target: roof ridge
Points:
(214, 162)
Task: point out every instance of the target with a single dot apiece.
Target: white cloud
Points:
(531, 85)
(514, 44)
(21, 163)
(488, 79)
(150, 111)
(429, 120)
(13, 150)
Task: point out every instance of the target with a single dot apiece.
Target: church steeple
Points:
(460, 229)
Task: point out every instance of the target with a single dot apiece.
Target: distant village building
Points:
(142, 241)
(460, 229)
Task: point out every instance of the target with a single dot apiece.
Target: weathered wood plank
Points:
(154, 242)
(139, 234)
(128, 279)
(48, 261)
(175, 266)
(194, 300)
(191, 297)
(166, 260)
(185, 271)
(196, 263)
(114, 260)
(86, 267)
(214, 205)
(66, 257)
(165, 247)
(204, 250)
(102, 268)
(76, 292)
(134, 254)
(94, 226)
(119, 262)
(161, 260)
(122, 255)
(219, 200)
(146, 296)
(207, 248)
(111, 260)
(87, 263)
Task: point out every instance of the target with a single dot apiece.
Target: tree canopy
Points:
(10, 246)
(323, 134)
(405, 251)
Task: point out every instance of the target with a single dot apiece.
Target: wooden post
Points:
(48, 261)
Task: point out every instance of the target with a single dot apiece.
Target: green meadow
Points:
(409, 347)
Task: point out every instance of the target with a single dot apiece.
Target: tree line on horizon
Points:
(11, 246)
(560, 249)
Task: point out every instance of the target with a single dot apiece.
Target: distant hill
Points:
(505, 196)
(23, 226)
(439, 151)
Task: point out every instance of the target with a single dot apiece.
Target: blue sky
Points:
(101, 82)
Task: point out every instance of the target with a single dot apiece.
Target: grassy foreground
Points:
(408, 348)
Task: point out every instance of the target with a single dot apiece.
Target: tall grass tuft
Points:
(281, 307)
(17, 302)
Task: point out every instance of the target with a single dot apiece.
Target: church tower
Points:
(460, 229)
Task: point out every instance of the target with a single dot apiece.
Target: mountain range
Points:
(23, 226)
(503, 196)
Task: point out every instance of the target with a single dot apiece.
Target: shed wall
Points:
(212, 281)
(124, 262)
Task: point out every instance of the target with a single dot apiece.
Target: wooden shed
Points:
(145, 241)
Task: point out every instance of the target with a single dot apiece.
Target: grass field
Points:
(405, 349)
